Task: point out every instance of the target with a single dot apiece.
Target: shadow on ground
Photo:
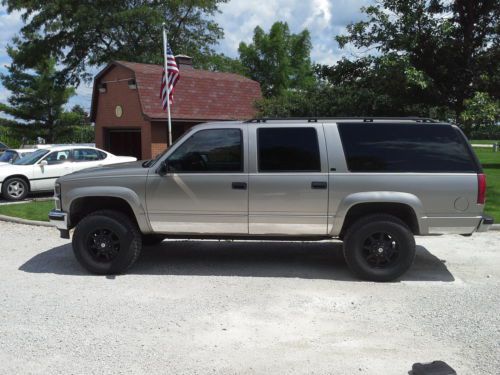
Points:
(311, 260)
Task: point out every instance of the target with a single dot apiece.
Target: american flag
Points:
(173, 77)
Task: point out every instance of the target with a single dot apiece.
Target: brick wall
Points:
(118, 93)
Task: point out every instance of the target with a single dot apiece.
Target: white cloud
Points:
(323, 18)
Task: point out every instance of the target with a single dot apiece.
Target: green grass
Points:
(491, 166)
(37, 210)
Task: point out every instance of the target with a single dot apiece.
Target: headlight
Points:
(57, 190)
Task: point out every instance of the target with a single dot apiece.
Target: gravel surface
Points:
(197, 307)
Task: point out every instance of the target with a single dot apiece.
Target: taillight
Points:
(481, 188)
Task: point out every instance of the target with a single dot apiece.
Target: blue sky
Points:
(323, 18)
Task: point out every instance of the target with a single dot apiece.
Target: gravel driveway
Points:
(246, 308)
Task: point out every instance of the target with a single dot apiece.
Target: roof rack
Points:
(364, 119)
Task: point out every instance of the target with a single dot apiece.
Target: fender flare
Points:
(351, 200)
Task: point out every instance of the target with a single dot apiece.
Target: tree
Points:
(451, 47)
(36, 99)
(79, 33)
(280, 60)
(480, 110)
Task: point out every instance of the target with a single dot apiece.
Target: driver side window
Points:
(209, 151)
(57, 157)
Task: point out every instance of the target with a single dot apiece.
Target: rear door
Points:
(84, 158)
(288, 180)
(205, 190)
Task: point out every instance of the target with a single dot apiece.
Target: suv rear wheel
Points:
(379, 247)
(107, 242)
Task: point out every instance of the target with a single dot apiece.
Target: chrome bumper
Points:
(485, 224)
(59, 219)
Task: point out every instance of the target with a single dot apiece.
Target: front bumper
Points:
(59, 219)
(485, 224)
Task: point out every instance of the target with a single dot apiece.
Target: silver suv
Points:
(372, 183)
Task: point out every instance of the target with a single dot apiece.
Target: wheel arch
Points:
(22, 176)
(407, 207)
(83, 201)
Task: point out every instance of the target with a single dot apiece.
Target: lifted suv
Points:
(373, 183)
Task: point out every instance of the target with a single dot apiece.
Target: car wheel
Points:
(107, 242)
(152, 239)
(15, 189)
(379, 248)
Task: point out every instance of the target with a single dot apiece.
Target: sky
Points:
(323, 18)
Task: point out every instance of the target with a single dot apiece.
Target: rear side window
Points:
(288, 150)
(405, 148)
(86, 154)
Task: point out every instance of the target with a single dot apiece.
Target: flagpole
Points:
(167, 84)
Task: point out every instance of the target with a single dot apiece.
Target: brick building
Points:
(126, 107)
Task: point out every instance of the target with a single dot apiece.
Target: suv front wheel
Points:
(379, 247)
(107, 242)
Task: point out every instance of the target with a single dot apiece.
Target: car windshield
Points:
(31, 158)
(7, 156)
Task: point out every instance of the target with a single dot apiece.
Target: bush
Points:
(486, 132)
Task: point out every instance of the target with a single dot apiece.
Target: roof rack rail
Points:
(362, 118)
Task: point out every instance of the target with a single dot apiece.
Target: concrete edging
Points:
(11, 219)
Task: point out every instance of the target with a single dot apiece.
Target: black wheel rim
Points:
(103, 245)
(381, 250)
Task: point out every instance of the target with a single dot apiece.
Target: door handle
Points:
(239, 185)
(319, 185)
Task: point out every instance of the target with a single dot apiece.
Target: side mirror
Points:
(163, 168)
(43, 163)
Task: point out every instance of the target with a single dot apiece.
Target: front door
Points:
(205, 190)
(288, 181)
(58, 164)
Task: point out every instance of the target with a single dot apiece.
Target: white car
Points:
(39, 170)
(11, 155)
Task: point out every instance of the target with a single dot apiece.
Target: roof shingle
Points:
(199, 94)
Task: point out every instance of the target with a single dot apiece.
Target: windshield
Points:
(8, 156)
(31, 158)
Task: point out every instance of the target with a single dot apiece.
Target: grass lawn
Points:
(491, 165)
(30, 211)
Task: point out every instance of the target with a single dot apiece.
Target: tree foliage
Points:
(86, 33)
(451, 47)
(280, 60)
(36, 98)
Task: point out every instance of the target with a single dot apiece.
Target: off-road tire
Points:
(22, 182)
(125, 231)
(356, 253)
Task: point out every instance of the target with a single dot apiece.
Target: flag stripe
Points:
(171, 81)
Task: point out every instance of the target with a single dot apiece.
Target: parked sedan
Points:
(39, 170)
(11, 155)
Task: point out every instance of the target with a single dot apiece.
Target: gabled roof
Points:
(199, 94)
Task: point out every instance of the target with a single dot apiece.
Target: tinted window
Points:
(288, 150)
(86, 154)
(57, 157)
(213, 150)
(405, 148)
